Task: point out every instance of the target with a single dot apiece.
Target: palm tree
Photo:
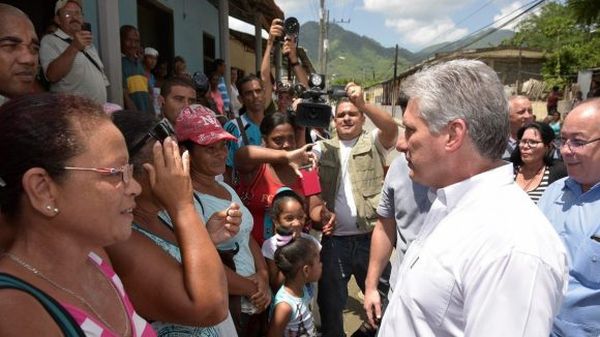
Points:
(586, 11)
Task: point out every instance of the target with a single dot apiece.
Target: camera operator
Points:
(284, 92)
(351, 170)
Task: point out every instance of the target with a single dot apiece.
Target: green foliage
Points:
(570, 42)
(586, 11)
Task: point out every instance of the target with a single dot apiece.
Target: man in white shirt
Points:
(70, 60)
(486, 261)
(351, 174)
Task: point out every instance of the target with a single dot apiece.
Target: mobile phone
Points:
(86, 26)
(311, 184)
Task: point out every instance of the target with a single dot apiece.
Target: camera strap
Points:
(69, 41)
(242, 130)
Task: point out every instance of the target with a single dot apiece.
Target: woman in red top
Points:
(263, 170)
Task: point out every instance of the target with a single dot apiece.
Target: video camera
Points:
(314, 110)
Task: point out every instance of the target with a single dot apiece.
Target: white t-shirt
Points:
(270, 245)
(345, 207)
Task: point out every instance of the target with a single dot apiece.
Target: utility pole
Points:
(322, 37)
(393, 93)
(326, 45)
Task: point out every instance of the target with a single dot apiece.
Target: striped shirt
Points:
(94, 328)
(536, 193)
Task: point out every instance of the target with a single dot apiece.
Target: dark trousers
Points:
(342, 257)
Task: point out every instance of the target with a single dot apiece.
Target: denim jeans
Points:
(342, 257)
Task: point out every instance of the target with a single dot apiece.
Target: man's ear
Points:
(457, 131)
(40, 191)
(161, 100)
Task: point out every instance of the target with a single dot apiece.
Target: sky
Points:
(412, 24)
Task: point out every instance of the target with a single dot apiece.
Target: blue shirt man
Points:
(572, 205)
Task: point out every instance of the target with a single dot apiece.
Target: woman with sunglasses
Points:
(67, 190)
(198, 130)
(533, 161)
(170, 263)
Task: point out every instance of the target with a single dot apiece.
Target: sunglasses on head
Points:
(160, 131)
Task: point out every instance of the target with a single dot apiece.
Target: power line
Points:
(532, 5)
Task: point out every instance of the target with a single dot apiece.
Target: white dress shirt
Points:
(486, 263)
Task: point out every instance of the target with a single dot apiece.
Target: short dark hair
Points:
(219, 62)
(547, 138)
(134, 125)
(246, 79)
(282, 197)
(124, 30)
(41, 130)
(169, 83)
(291, 257)
(271, 121)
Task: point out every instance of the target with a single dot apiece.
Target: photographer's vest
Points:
(365, 167)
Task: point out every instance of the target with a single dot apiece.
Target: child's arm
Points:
(280, 320)
(275, 276)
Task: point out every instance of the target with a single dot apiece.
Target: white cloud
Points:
(416, 9)
(290, 6)
(507, 13)
(420, 22)
(422, 33)
(512, 10)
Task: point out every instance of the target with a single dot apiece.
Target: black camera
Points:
(314, 110)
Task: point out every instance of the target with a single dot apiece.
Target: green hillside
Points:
(351, 56)
(364, 60)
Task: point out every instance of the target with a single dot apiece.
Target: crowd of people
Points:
(201, 210)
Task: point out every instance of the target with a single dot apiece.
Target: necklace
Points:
(534, 178)
(38, 273)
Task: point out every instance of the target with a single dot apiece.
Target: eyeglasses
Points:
(529, 142)
(576, 144)
(72, 14)
(125, 171)
(160, 131)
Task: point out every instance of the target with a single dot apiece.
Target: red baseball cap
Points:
(199, 124)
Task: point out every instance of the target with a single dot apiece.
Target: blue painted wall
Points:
(191, 19)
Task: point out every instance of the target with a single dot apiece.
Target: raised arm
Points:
(193, 292)
(275, 31)
(382, 120)
(249, 158)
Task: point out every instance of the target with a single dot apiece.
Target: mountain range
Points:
(364, 60)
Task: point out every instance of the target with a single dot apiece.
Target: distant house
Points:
(513, 66)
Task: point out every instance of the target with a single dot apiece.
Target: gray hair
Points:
(467, 90)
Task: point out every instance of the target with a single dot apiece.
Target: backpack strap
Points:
(63, 319)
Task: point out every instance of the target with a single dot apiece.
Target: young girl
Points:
(288, 216)
(299, 262)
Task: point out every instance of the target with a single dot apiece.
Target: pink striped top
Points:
(94, 328)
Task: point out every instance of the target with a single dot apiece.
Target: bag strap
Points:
(63, 319)
(68, 40)
(242, 130)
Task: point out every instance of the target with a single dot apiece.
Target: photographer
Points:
(285, 97)
(68, 57)
(351, 172)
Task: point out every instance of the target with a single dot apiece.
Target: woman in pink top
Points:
(67, 190)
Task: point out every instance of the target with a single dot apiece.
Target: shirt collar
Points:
(575, 187)
(60, 33)
(453, 194)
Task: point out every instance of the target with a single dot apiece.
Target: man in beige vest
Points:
(352, 173)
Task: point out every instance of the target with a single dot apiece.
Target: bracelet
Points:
(294, 64)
